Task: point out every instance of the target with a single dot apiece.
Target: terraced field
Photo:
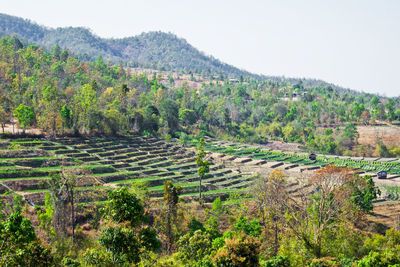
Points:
(294, 160)
(26, 165)
(256, 157)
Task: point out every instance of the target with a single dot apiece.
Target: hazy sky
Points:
(351, 43)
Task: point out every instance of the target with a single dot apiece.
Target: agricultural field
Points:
(27, 164)
(301, 160)
(298, 165)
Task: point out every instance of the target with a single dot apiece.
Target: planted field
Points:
(26, 165)
(363, 165)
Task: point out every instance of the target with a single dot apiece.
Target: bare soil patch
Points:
(369, 135)
(9, 129)
(386, 213)
(287, 147)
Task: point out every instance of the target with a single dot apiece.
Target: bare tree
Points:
(270, 195)
(62, 187)
(320, 207)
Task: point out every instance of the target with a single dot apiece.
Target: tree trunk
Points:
(200, 189)
(276, 240)
(72, 216)
(169, 231)
(53, 126)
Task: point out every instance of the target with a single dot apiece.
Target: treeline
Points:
(56, 92)
(319, 225)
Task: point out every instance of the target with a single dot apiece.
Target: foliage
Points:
(130, 238)
(195, 225)
(365, 193)
(122, 206)
(122, 243)
(251, 228)
(203, 165)
(239, 251)
(379, 260)
(194, 247)
(19, 244)
(65, 95)
(25, 116)
(278, 261)
(217, 207)
(170, 218)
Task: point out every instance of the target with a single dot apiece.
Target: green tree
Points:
(19, 245)
(130, 238)
(123, 206)
(86, 112)
(187, 116)
(351, 132)
(123, 244)
(249, 227)
(203, 165)
(169, 111)
(25, 116)
(50, 109)
(66, 116)
(194, 247)
(169, 218)
(365, 192)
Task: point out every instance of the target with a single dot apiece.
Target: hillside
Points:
(118, 166)
(159, 50)
(156, 50)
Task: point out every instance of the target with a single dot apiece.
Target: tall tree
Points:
(203, 165)
(5, 118)
(324, 206)
(62, 188)
(169, 218)
(270, 195)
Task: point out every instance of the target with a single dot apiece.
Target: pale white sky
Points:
(352, 43)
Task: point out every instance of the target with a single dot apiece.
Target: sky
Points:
(351, 43)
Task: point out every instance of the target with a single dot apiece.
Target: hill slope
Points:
(156, 50)
(153, 49)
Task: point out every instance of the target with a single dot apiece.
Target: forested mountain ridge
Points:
(156, 50)
(159, 50)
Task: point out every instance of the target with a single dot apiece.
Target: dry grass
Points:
(369, 135)
(386, 213)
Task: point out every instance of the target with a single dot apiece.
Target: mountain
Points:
(157, 50)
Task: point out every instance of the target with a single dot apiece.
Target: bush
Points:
(278, 261)
(239, 251)
(194, 247)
